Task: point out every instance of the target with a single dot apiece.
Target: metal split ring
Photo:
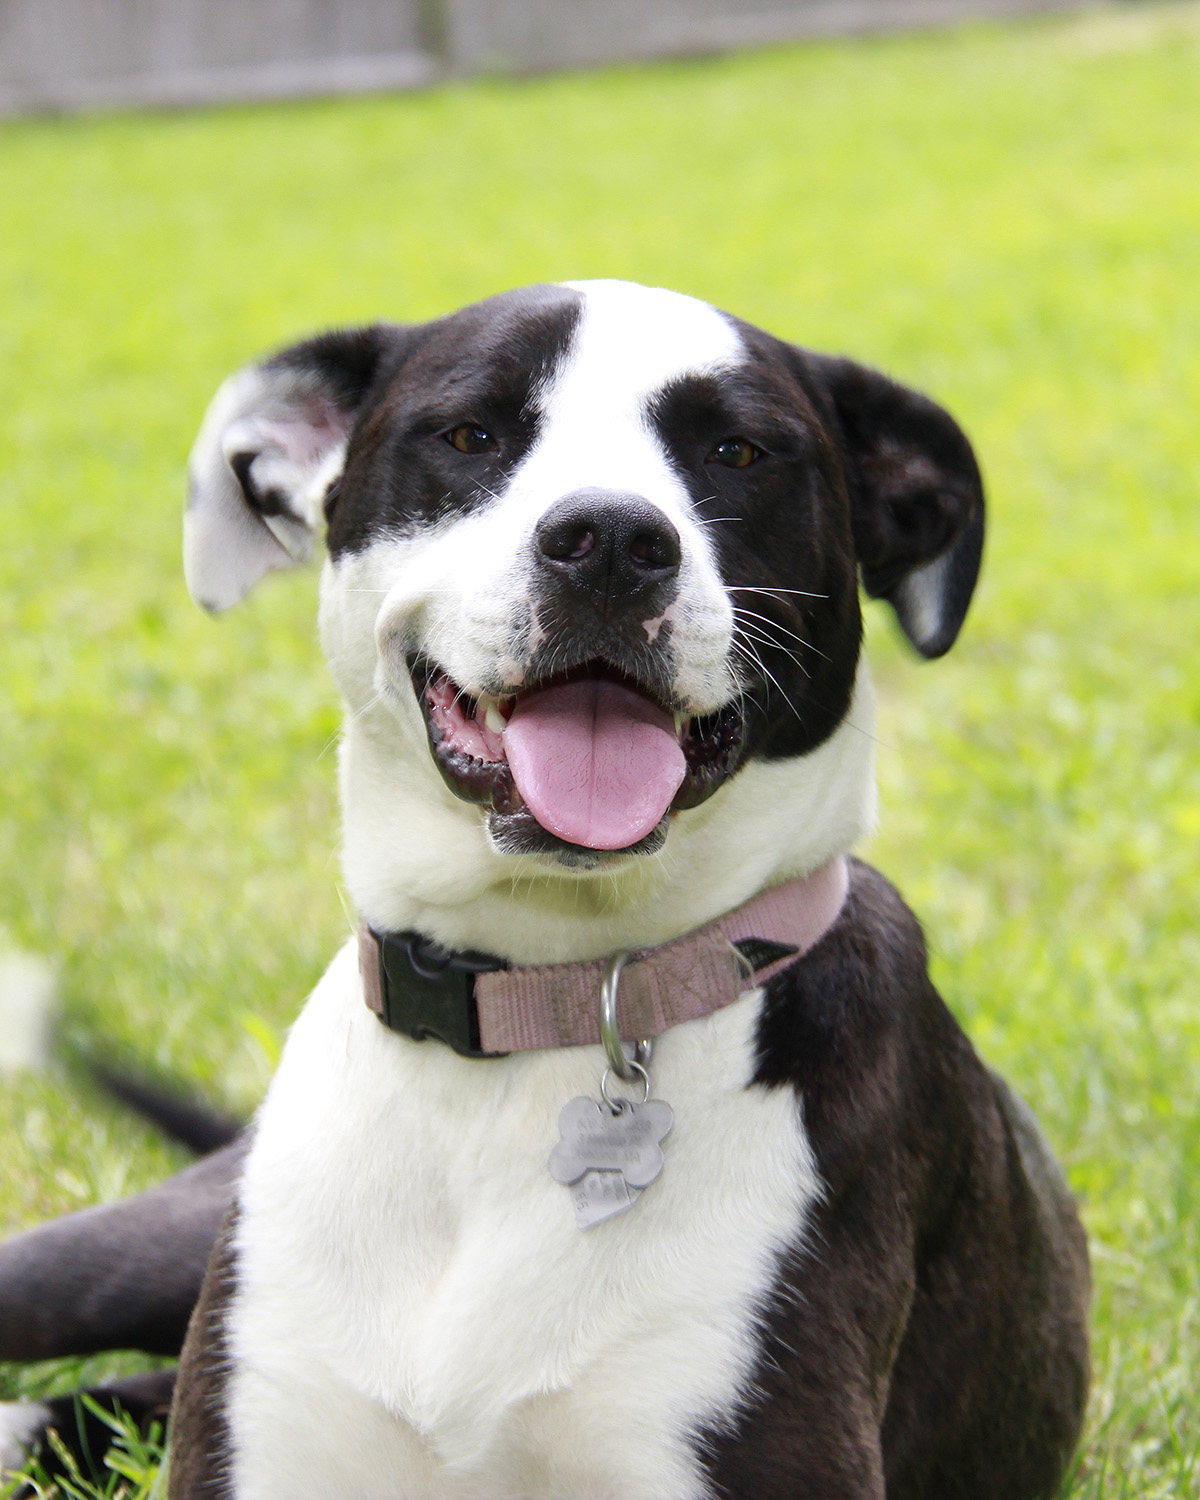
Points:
(619, 1062)
(618, 1105)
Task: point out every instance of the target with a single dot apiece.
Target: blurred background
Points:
(72, 54)
(1003, 211)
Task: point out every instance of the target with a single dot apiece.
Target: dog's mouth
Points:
(583, 765)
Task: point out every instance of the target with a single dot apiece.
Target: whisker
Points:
(783, 630)
(365, 709)
(747, 648)
(764, 638)
(758, 639)
(753, 614)
(358, 713)
(746, 588)
(752, 657)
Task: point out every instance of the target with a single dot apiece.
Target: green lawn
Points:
(1008, 217)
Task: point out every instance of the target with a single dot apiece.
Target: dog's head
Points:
(591, 593)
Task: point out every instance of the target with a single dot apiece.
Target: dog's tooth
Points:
(494, 719)
(681, 723)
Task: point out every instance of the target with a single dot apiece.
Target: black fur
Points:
(119, 1276)
(197, 1126)
(928, 1340)
(480, 365)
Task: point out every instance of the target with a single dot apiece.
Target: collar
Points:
(481, 1006)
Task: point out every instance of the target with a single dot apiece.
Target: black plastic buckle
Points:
(429, 991)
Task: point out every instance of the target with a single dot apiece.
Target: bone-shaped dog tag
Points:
(607, 1156)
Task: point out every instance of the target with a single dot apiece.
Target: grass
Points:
(133, 1465)
(1005, 216)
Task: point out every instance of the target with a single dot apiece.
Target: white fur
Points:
(418, 1315)
(21, 1423)
(416, 856)
(298, 437)
(919, 600)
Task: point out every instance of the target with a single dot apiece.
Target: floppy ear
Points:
(272, 442)
(916, 501)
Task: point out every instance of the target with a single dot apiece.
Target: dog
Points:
(627, 1150)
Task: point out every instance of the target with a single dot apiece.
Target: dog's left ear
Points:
(916, 500)
(272, 442)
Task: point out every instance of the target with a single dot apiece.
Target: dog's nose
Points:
(616, 545)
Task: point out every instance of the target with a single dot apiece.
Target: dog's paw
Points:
(22, 1425)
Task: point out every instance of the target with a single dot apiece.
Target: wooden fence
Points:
(84, 54)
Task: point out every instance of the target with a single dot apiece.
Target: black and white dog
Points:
(591, 599)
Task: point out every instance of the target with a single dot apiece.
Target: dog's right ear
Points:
(272, 442)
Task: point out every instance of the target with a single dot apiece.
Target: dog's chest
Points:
(417, 1312)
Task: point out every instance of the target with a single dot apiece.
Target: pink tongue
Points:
(596, 763)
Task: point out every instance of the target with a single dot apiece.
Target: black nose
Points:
(610, 544)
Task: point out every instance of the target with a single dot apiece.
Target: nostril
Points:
(655, 547)
(568, 543)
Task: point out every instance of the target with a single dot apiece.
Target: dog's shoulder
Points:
(861, 988)
(922, 1288)
(858, 1029)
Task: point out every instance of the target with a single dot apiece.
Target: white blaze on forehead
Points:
(629, 343)
(634, 339)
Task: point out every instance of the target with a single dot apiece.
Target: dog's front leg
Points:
(818, 1433)
(121, 1275)
(118, 1276)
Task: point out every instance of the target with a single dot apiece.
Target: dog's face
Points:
(592, 583)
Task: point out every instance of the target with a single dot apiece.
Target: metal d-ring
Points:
(626, 1068)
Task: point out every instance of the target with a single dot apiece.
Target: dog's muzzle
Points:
(589, 758)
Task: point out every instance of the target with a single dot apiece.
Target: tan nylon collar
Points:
(537, 1006)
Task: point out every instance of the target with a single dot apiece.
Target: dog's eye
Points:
(734, 453)
(471, 439)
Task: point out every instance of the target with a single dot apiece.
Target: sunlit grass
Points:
(133, 1467)
(1007, 217)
